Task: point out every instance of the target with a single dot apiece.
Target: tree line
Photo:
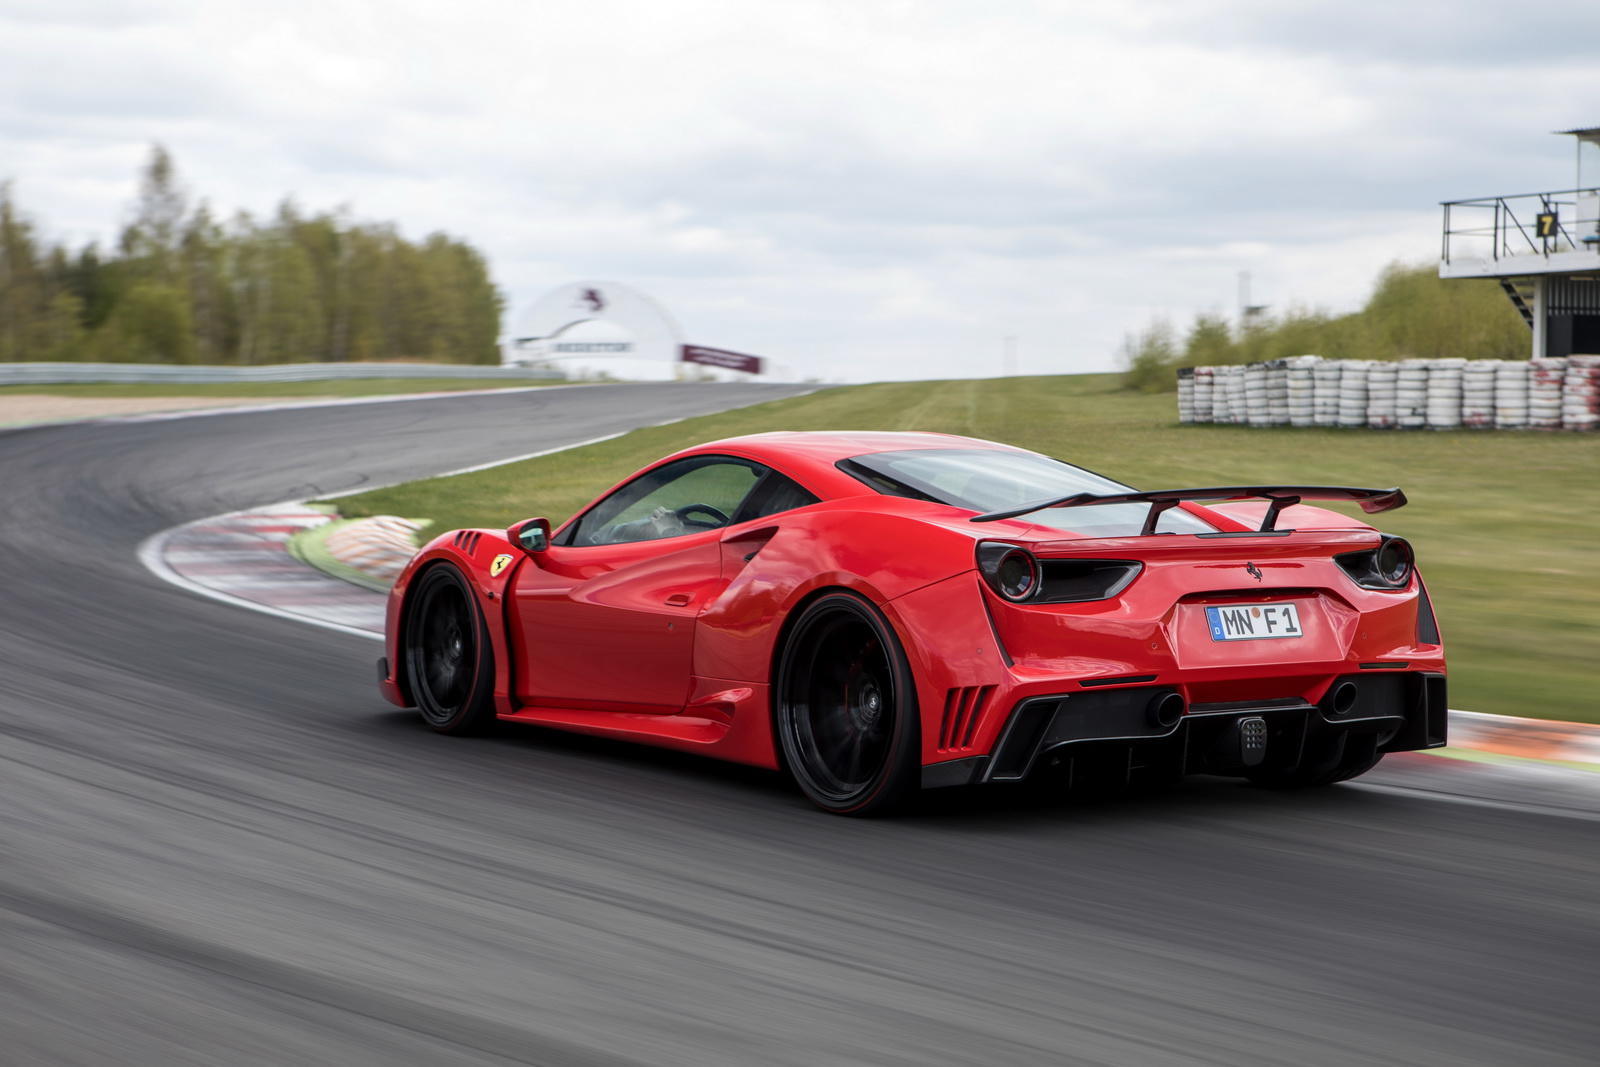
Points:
(182, 286)
(1411, 314)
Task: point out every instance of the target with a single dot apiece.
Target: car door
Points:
(605, 619)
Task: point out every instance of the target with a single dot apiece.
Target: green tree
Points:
(1209, 342)
(1412, 312)
(39, 315)
(152, 238)
(1150, 358)
(182, 286)
(150, 324)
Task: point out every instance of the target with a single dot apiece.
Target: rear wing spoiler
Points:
(1372, 501)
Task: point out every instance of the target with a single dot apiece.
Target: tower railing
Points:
(1523, 224)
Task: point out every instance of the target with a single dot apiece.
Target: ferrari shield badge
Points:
(501, 562)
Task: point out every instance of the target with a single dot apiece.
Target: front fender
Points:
(475, 554)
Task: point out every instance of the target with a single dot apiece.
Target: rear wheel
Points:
(449, 661)
(847, 709)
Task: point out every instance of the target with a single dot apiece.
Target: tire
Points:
(449, 661)
(846, 708)
(1338, 759)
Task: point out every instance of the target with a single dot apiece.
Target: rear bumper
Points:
(1131, 729)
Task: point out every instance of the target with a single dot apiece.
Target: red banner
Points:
(717, 357)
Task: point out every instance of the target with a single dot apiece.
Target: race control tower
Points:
(1543, 248)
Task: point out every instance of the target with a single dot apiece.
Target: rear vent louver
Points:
(1072, 581)
(962, 709)
(467, 540)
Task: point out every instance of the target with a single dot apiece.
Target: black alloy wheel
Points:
(449, 661)
(846, 708)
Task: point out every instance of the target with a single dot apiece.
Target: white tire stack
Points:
(1221, 402)
(1381, 395)
(1510, 394)
(1255, 394)
(1444, 393)
(1353, 392)
(1299, 388)
(1236, 397)
(1546, 378)
(1411, 394)
(1580, 395)
(1203, 377)
(1185, 394)
(1325, 392)
(1277, 392)
(1477, 394)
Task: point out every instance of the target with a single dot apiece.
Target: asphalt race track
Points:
(219, 846)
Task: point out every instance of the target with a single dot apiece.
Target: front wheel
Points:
(448, 659)
(846, 708)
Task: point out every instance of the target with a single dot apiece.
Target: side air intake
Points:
(962, 709)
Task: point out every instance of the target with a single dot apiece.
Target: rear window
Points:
(989, 480)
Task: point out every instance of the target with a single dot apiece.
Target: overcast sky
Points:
(872, 189)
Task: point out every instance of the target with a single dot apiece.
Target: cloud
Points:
(869, 188)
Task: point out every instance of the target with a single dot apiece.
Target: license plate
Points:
(1252, 622)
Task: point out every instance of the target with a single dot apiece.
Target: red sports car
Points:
(879, 612)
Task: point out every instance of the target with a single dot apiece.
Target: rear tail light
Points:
(1017, 575)
(1010, 570)
(1388, 566)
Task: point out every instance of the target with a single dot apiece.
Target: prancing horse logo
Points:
(592, 297)
(1255, 572)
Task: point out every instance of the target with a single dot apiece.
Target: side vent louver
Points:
(466, 540)
(962, 709)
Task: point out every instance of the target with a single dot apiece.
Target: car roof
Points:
(830, 446)
(811, 455)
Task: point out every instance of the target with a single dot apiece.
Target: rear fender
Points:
(879, 556)
(960, 668)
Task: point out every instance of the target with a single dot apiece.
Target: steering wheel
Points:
(684, 512)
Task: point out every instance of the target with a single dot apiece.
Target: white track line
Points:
(287, 405)
(1479, 802)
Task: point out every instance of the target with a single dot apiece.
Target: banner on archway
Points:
(721, 357)
(616, 326)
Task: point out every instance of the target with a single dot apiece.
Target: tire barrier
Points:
(1411, 394)
(1580, 393)
(1546, 378)
(1477, 394)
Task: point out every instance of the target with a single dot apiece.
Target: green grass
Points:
(372, 387)
(1504, 524)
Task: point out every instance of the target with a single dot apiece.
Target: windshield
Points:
(990, 480)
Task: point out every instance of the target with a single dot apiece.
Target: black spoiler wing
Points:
(1372, 501)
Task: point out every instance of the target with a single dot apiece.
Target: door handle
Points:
(678, 600)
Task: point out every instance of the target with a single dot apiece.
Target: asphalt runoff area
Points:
(221, 846)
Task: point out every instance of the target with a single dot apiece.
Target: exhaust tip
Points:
(1342, 698)
(1165, 710)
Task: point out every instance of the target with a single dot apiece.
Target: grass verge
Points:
(310, 546)
(1504, 523)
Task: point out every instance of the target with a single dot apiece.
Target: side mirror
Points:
(532, 535)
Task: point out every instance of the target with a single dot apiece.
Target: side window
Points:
(775, 494)
(699, 493)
